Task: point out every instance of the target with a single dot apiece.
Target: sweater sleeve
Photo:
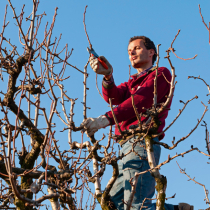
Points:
(116, 93)
(143, 97)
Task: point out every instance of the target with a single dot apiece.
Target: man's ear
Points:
(151, 52)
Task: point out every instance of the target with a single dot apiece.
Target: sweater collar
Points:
(141, 73)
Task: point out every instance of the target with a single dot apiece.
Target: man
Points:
(142, 55)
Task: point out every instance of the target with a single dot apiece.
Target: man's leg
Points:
(146, 183)
(133, 164)
(128, 166)
(117, 191)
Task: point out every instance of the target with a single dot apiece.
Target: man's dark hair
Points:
(149, 44)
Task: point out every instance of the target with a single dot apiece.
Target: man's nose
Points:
(133, 52)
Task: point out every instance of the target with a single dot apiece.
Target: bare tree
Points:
(36, 71)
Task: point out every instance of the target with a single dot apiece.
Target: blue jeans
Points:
(128, 166)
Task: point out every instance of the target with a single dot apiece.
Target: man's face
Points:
(139, 55)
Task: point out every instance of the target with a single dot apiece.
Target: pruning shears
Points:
(93, 53)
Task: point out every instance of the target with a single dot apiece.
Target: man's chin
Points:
(136, 65)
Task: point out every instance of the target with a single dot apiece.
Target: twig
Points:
(183, 138)
(32, 23)
(97, 86)
(172, 85)
(67, 55)
(20, 28)
(171, 158)
(63, 106)
(47, 47)
(48, 152)
(19, 113)
(67, 63)
(202, 80)
(71, 119)
(208, 28)
(85, 28)
(142, 205)
(109, 139)
(205, 190)
(202, 18)
(3, 28)
(172, 49)
(180, 111)
(115, 119)
(85, 90)
(207, 138)
(155, 80)
(59, 154)
(136, 112)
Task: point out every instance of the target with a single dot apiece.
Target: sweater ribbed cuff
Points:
(108, 84)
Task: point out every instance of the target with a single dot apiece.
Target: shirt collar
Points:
(145, 71)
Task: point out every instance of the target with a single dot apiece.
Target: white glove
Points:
(98, 68)
(91, 125)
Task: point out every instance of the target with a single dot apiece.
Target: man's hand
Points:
(98, 68)
(91, 125)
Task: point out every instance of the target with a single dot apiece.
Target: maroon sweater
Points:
(142, 88)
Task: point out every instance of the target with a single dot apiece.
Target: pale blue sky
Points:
(110, 24)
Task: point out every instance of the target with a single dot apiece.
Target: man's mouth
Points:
(134, 58)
